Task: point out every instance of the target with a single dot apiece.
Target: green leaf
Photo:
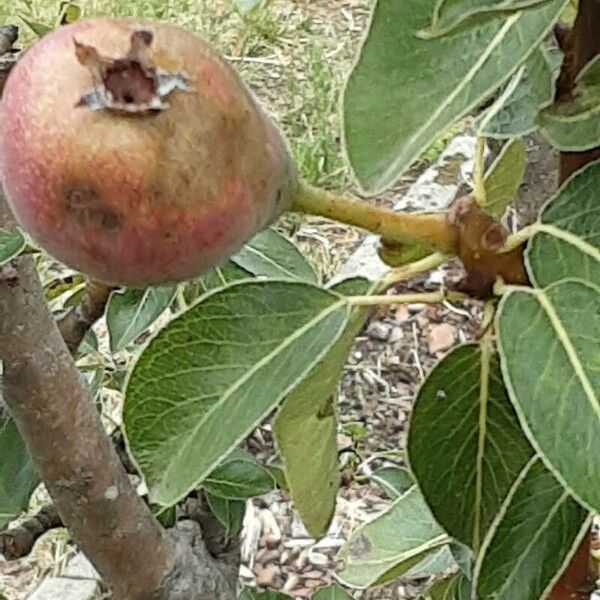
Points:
(570, 244)
(395, 481)
(463, 424)
(12, 243)
(238, 477)
(538, 530)
(251, 594)
(212, 374)
(247, 6)
(270, 254)
(223, 275)
(463, 557)
(404, 91)
(433, 565)
(230, 513)
(398, 255)
(40, 29)
(456, 587)
(131, 312)
(573, 125)
(278, 475)
(88, 345)
(18, 475)
(305, 428)
(550, 347)
(448, 14)
(505, 177)
(532, 87)
(92, 377)
(331, 592)
(69, 12)
(390, 545)
(167, 517)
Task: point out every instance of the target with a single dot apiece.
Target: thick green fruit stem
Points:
(432, 230)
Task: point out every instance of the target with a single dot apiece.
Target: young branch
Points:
(423, 298)
(8, 57)
(18, 541)
(466, 231)
(74, 325)
(431, 230)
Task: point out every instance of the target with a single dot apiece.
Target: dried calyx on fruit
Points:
(131, 84)
(134, 153)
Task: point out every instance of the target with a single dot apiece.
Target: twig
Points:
(19, 541)
(8, 36)
(74, 325)
(409, 271)
(8, 57)
(427, 298)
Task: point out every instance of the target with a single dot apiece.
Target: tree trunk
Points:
(580, 45)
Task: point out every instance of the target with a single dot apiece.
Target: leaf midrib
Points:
(250, 373)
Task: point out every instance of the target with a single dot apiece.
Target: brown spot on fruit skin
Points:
(84, 205)
(100, 190)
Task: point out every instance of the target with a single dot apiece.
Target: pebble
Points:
(313, 574)
(317, 559)
(246, 573)
(441, 337)
(379, 331)
(301, 561)
(329, 542)
(396, 334)
(266, 576)
(292, 582)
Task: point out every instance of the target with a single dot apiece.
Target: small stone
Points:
(79, 567)
(292, 581)
(266, 576)
(330, 542)
(436, 277)
(313, 583)
(313, 574)
(402, 313)
(394, 361)
(396, 335)
(441, 337)
(298, 529)
(379, 331)
(271, 541)
(285, 557)
(65, 589)
(301, 561)
(246, 573)
(416, 308)
(317, 559)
